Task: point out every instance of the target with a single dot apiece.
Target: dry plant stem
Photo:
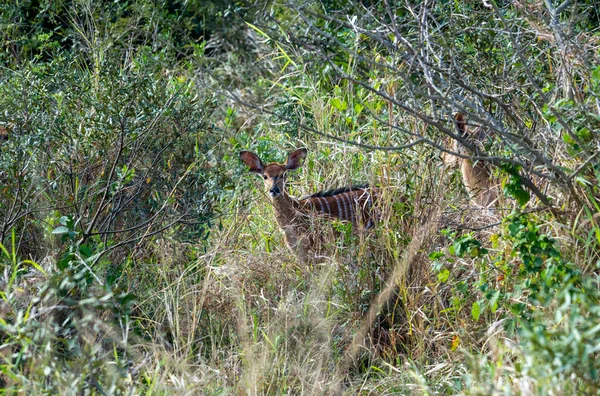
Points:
(398, 278)
(164, 205)
(533, 83)
(16, 207)
(258, 356)
(110, 176)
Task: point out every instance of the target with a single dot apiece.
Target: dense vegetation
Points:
(139, 256)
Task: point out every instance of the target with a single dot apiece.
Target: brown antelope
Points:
(3, 135)
(353, 204)
(476, 175)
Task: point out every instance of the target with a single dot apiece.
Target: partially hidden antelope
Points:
(476, 175)
(294, 216)
(3, 134)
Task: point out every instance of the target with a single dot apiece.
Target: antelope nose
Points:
(274, 191)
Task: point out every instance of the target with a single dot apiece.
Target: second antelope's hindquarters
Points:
(476, 175)
(450, 160)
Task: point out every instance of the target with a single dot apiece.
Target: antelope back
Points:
(354, 204)
(476, 175)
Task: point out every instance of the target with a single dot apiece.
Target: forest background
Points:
(139, 256)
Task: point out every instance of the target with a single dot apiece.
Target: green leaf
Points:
(358, 108)
(8, 255)
(443, 275)
(112, 275)
(584, 133)
(265, 35)
(435, 255)
(339, 104)
(476, 311)
(596, 75)
(34, 265)
(462, 287)
(567, 138)
(522, 196)
(85, 251)
(64, 262)
(126, 299)
(514, 188)
(60, 230)
(494, 301)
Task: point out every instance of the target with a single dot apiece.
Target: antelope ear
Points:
(295, 159)
(252, 160)
(461, 124)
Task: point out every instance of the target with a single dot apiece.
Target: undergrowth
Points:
(139, 256)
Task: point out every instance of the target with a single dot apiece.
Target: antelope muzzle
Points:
(275, 191)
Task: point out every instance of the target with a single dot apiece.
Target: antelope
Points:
(3, 134)
(476, 175)
(352, 204)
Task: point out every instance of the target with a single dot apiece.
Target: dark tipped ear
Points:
(295, 159)
(460, 122)
(252, 160)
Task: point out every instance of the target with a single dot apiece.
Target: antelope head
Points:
(3, 134)
(274, 174)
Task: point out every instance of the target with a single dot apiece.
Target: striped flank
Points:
(344, 204)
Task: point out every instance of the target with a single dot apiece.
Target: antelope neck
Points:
(283, 203)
